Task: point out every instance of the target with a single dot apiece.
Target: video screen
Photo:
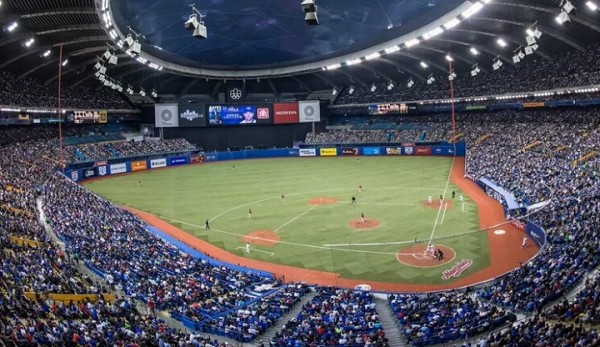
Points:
(231, 115)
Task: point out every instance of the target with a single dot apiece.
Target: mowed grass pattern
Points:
(393, 191)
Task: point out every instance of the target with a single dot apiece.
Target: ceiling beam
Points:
(478, 47)
(65, 56)
(21, 36)
(506, 38)
(187, 87)
(215, 90)
(302, 84)
(273, 87)
(545, 30)
(39, 49)
(402, 68)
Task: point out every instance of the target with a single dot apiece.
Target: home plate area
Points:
(419, 256)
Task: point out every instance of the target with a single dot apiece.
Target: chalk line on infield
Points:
(257, 250)
(293, 219)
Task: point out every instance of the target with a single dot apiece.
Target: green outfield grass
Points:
(393, 191)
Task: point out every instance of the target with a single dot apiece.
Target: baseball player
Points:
(247, 247)
(430, 199)
(524, 243)
(353, 201)
(206, 225)
(282, 198)
(249, 213)
(362, 217)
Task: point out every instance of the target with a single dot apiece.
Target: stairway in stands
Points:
(389, 323)
(270, 333)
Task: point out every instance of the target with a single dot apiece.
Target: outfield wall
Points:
(119, 166)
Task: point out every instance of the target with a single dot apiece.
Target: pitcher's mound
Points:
(321, 200)
(368, 224)
(261, 237)
(416, 256)
(436, 204)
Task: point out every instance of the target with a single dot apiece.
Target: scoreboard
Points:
(88, 117)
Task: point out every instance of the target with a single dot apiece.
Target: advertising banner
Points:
(422, 151)
(118, 168)
(192, 115)
(139, 165)
(231, 115)
(409, 150)
(328, 152)
(381, 109)
(177, 161)
(533, 104)
(166, 115)
(310, 111)
(74, 176)
(393, 150)
(154, 163)
(308, 152)
(101, 163)
(197, 158)
(536, 232)
(371, 151)
(102, 170)
(89, 173)
(350, 151)
(285, 113)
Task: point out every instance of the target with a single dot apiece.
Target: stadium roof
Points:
(272, 48)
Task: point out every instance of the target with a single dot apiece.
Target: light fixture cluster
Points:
(110, 56)
(196, 24)
(309, 7)
(497, 63)
(430, 79)
(474, 8)
(475, 70)
(410, 83)
(566, 7)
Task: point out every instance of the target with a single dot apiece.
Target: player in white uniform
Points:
(430, 199)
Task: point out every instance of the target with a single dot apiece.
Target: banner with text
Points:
(393, 151)
(285, 113)
(154, 163)
(328, 152)
(350, 151)
(118, 168)
(310, 111)
(308, 152)
(166, 115)
(139, 165)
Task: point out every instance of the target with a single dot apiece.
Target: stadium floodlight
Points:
(101, 78)
(136, 47)
(65, 62)
(424, 65)
(97, 74)
(452, 76)
(475, 71)
(430, 79)
(373, 87)
(410, 83)
(334, 91)
(142, 92)
(562, 18)
(29, 42)
(351, 90)
(196, 24)
(501, 42)
(97, 66)
(474, 51)
(528, 50)
(516, 59)
(591, 5)
(113, 60)
(449, 57)
(497, 64)
(521, 55)
(567, 6)
(107, 54)
(46, 53)
(309, 7)
(129, 90)
(12, 27)
(102, 70)
(154, 93)
(129, 40)
(411, 43)
(390, 85)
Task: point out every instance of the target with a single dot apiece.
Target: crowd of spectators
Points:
(571, 69)
(335, 317)
(30, 92)
(584, 307)
(420, 132)
(97, 151)
(439, 318)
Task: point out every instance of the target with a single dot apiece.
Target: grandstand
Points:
(130, 214)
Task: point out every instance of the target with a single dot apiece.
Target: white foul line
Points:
(444, 214)
(444, 196)
(298, 216)
(257, 250)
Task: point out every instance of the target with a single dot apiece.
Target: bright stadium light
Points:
(424, 65)
(65, 62)
(12, 27)
(501, 42)
(373, 87)
(474, 51)
(410, 83)
(29, 42)
(46, 53)
(591, 5)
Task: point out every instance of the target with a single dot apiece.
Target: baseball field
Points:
(315, 225)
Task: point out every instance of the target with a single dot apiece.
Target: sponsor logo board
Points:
(118, 168)
(363, 287)
(349, 151)
(139, 165)
(308, 152)
(154, 163)
(409, 150)
(75, 176)
(177, 161)
(166, 115)
(328, 152)
(518, 224)
(102, 170)
(422, 151)
(310, 111)
(286, 113)
(393, 150)
(90, 173)
(372, 151)
(457, 269)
